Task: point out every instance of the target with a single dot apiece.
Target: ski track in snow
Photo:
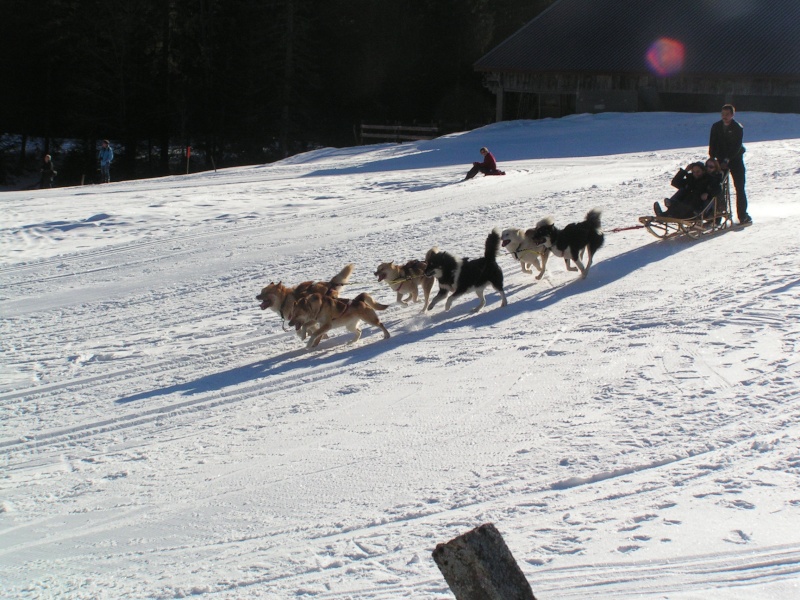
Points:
(632, 435)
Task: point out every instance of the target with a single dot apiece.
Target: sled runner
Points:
(716, 217)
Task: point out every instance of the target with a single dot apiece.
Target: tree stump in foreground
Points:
(479, 566)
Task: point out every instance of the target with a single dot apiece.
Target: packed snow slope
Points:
(632, 435)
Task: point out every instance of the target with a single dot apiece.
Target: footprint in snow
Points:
(737, 536)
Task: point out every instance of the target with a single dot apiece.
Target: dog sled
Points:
(715, 217)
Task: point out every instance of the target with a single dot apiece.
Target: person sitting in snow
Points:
(487, 167)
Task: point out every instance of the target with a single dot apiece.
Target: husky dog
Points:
(281, 298)
(570, 242)
(406, 279)
(522, 248)
(323, 313)
(459, 275)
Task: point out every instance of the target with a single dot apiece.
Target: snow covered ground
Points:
(632, 435)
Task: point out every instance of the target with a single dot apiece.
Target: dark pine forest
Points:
(241, 81)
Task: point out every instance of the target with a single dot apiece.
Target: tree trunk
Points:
(288, 79)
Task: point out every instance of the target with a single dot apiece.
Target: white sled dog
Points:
(523, 249)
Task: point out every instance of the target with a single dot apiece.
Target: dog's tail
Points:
(342, 277)
(596, 237)
(492, 245)
(593, 219)
(370, 301)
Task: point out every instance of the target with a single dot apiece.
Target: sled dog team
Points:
(314, 308)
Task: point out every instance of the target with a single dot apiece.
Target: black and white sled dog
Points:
(459, 275)
(570, 242)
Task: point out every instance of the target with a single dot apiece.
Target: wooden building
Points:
(644, 55)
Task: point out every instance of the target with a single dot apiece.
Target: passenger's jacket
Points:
(714, 184)
(693, 188)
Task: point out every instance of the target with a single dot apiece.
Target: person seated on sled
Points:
(715, 178)
(692, 195)
(487, 167)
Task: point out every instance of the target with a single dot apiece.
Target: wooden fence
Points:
(397, 133)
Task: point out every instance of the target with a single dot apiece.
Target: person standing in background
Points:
(105, 156)
(725, 145)
(48, 173)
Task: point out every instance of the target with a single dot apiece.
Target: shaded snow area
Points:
(632, 435)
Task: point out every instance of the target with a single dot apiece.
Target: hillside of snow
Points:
(632, 435)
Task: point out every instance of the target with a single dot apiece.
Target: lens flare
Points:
(665, 57)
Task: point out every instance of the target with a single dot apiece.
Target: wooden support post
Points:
(499, 102)
(479, 566)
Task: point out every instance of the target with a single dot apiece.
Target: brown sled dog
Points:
(281, 298)
(406, 279)
(322, 313)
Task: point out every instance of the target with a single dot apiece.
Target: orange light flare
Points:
(665, 57)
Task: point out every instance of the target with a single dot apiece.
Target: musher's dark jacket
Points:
(726, 142)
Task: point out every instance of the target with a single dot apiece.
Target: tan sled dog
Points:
(281, 298)
(326, 313)
(523, 249)
(406, 279)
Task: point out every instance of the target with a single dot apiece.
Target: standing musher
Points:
(725, 145)
(105, 155)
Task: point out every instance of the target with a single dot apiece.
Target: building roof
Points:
(717, 37)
